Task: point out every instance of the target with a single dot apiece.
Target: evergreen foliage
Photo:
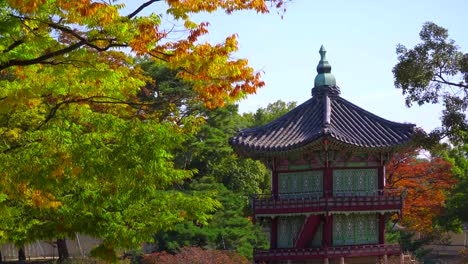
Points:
(436, 71)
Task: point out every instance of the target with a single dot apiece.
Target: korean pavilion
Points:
(328, 202)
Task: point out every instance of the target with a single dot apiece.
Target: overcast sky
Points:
(360, 38)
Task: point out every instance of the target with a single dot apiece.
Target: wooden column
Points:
(327, 231)
(274, 183)
(274, 177)
(328, 182)
(274, 233)
(381, 179)
(325, 182)
(381, 229)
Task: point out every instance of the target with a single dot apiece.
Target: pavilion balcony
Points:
(326, 252)
(288, 203)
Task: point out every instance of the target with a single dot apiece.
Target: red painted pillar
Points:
(327, 231)
(274, 178)
(381, 179)
(327, 182)
(381, 229)
(274, 183)
(274, 233)
(330, 181)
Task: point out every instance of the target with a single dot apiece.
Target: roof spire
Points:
(323, 66)
(324, 77)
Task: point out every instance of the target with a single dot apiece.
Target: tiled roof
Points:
(324, 116)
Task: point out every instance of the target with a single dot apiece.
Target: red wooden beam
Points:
(308, 230)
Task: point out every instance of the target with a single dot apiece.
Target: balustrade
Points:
(327, 252)
(389, 199)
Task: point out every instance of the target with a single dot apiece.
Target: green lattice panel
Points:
(355, 229)
(355, 182)
(298, 184)
(288, 230)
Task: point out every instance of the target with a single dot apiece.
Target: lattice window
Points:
(355, 229)
(299, 184)
(355, 181)
(373, 231)
(283, 233)
(338, 230)
(288, 230)
(293, 179)
(349, 229)
(283, 183)
(361, 229)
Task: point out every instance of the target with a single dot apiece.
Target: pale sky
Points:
(360, 38)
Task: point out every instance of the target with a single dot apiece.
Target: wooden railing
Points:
(313, 202)
(326, 252)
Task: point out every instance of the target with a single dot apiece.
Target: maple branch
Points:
(116, 101)
(18, 146)
(88, 42)
(90, 99)
(143, 6)
(51, 114)
(70, 62)
(42, 58)
(13, 46)
(157, 57)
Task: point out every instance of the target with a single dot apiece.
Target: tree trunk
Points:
(21, 255)
(62, 249)
(1, 258)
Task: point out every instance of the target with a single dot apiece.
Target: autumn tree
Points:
(80, 150)
(436, 71)
(426, 184)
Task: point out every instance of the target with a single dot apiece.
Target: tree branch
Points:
(143, 6)
(18, 146)
(42, 58)
(83, 41)
(157, 57)
(90, 99)
(13, 45)
(88, 42)
(443, 81)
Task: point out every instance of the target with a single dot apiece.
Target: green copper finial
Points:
(322, 52)
(324, 76)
